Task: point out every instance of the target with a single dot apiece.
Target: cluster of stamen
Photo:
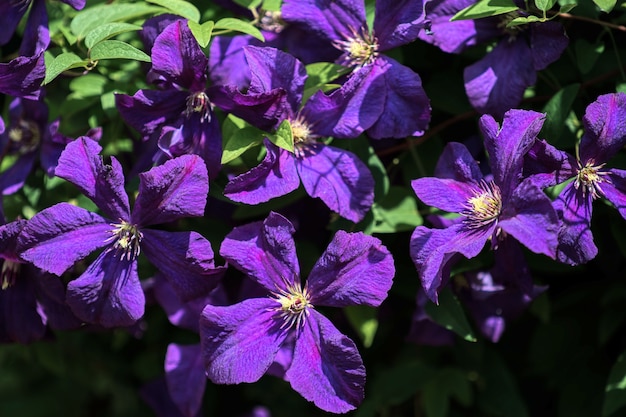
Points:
(199, 103)
(302, 136)
(590, 177)
(294, 305)
(484, 206)
(272, 21)
(24, 137)
(20, 4)
(359, 49)
(9, 273)
(127, 238)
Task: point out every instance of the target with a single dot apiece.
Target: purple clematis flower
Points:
(109, 292)
(497, 82)
(241, 341)
(179, 115)
(28, 136)
(338, 177)
(30, 300)
(604, 136)
(389, 100)
(490, 209)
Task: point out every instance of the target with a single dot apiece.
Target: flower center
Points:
(272, 21)
(199, 103)
(302, 136)
(24, 137)
(511, 31)
(9, 273)
(127, 238)
(484, 206)
(590, 178)
(358, 50)
(294, 305)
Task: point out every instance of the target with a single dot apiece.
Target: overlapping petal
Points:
(339, 178)
(265, 251)
(398, 22)
(239, 342)
(355, 269)
(171, 191)
(326, 368)
(605, 130)
(330, 19)
(184, 375)
(108, 292)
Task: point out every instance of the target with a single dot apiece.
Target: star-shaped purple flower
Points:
(241, 341)
(338, 177)
(389, 100)
(109, 292)
(604, 136)
(490, 209)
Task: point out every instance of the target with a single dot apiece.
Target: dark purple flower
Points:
(109, 292)
(497, 82)
(179, 115)
(30, 300)
(241, 341)
(604, 136)
(338, 177)
(389, 100)
(490, 209)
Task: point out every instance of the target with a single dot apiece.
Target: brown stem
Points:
(590, 20)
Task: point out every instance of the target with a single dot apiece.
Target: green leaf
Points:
(239, 136)
(447, 383)
(523, 21)
(450, 315)
(107, 31)
(567, 7)
(180, 8)
(319, 75)
(272, 5)
(92, 17)
(202, 32)
(397, 212)
(365, 322)
(89, 85)
(63, 62)
(545, 5)
(615, 390)
(556, 111)
(249, 4)
(587, 54)
(236, 25)
(114, 49)
(500, 395)
(283, 137)
(605, 5)
(485, 8)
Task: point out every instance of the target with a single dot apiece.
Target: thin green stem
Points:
(617, 57)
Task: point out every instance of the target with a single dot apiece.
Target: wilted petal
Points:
(172, 191)
(184, 375)
(185, 259)
(406, 111)
(81, 164)
(265, 251)
(57, 237)
(239, 342)
(326, 368)
(108, 292)
(275, 176)
(355, 269)
(339, 178)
